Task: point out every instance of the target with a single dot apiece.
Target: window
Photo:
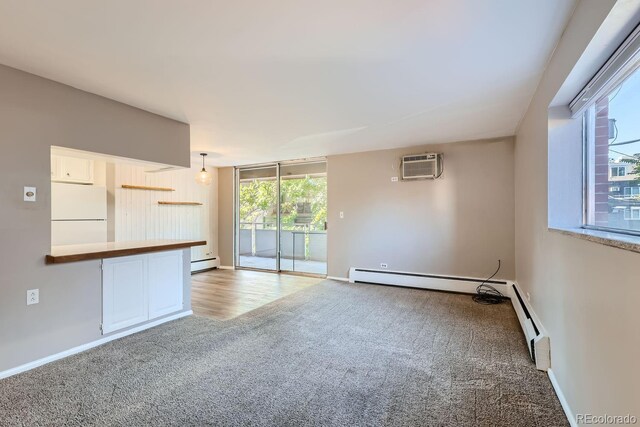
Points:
(618, 171)
(631, 191)
(612, 143)
(632, 214)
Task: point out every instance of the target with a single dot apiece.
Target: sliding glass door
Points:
(281, 217)
(303, 218)
(257, 218)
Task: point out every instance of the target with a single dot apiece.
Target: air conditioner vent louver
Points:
(421, 166)
(414, 158)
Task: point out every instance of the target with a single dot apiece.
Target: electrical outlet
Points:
(33, 296)
(528, 296)
(383, 265)
(394, 179)
(341, 214)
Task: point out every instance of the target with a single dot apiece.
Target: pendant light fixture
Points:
(203, 176)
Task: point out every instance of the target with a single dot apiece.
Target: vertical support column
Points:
(278, 228)
(601, 165)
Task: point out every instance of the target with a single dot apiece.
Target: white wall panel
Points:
(140, 217)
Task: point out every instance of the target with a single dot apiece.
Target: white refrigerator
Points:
(78, 214)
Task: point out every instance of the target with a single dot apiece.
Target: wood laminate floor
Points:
(225, 294)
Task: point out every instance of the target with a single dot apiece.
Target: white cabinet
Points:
(71, 169)
(165, 283)
(140, 288)
(124, 292)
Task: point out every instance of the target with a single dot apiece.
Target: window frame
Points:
(586, 136)
(624, 62)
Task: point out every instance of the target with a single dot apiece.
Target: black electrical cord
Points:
(487, 294)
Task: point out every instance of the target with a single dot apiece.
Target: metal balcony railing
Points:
(297, 241)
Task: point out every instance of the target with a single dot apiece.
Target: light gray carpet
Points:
(333, 354)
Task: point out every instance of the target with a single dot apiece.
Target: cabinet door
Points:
(76, 170)
(165, 283)
(124, 292)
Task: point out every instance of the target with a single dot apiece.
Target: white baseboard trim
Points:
(465, 285)
(339, 279)
(563, 401)
(226, 267)
(90, 345)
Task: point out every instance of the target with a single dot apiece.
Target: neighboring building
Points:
(624, 196)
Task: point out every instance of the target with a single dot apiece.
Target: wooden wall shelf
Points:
(181, 203)
(144, 187)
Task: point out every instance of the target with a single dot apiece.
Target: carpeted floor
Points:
(333, 354)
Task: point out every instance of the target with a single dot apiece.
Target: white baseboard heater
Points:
(205, 264)
(537, 339)
(436, 282)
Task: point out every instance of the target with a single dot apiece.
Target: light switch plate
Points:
(33, 296)
(341, 214)
(29, 194)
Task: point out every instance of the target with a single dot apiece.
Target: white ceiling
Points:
(283, 79)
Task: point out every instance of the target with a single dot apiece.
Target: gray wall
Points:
(225, 216)
(36, 113)
(460, 224)
(586, 294)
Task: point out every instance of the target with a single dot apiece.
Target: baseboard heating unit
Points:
(436, 282)
(205, 264)
(537, 339)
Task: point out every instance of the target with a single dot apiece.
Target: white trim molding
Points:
(563, 401)
(84, 347)
(226, 267)
(339, 279)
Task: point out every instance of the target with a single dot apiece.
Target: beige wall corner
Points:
(586, 294)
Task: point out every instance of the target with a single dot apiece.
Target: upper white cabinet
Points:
(71, 169)
(140, 288)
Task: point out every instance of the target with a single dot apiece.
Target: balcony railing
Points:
(297, 241)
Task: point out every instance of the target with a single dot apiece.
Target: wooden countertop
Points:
(73, 253)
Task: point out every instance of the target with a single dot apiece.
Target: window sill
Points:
(616, 240)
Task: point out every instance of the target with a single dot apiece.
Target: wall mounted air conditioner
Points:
(422, 166)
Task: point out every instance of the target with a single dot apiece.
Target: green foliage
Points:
(258, 201)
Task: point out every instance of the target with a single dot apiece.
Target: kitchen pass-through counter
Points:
(73, 253)
(140, 281)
